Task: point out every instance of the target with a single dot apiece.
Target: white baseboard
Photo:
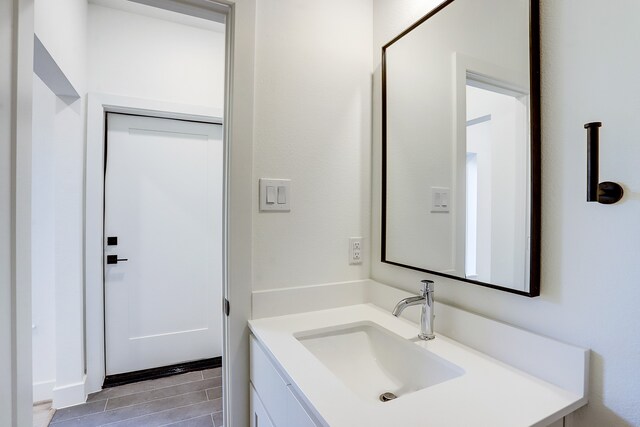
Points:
(43, 391)
(69, 395)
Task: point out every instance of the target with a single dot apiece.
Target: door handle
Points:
(113, 259)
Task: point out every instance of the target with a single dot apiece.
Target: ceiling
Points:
(213, 22)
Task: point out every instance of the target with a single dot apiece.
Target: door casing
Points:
(237, 234)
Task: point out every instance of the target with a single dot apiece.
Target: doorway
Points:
(145, 61)
(238, 111)
(163, 245)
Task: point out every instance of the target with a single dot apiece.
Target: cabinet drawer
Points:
(259, 415)
(269, 384)
(296, 413)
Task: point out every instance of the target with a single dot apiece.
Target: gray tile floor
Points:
(193, 399)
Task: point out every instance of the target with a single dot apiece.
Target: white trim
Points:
(239, 185)
(43, 391)
(97, 106)
(22, 82)
(70, 394)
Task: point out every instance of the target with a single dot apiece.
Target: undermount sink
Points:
(372, 361)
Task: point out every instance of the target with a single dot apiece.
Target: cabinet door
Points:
(297, 416)
(259, 416)
(269, 384)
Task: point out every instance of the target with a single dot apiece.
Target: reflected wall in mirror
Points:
(461, 145)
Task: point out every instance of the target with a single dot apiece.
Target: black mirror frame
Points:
(536, 158)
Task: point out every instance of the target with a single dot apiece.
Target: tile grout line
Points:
(160, 388)
(154, 389)
(136, 404)
(188, 419)
(157, 412)
(144, 402)
(159, 398)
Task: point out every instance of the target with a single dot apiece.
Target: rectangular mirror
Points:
(461, 145)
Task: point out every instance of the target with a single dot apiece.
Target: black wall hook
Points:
(602, 192)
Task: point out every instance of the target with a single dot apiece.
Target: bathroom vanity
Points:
(359, 365)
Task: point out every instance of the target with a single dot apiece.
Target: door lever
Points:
(113, 259)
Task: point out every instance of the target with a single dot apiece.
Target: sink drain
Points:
(385, 397)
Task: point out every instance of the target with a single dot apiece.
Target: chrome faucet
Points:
(426, 299)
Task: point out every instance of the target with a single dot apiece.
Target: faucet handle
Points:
(426, 286)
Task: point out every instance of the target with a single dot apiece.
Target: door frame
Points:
(98, 105)
(240, 27)
(17, 51)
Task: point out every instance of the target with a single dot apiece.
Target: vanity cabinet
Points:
(259, 415)
(274, 402)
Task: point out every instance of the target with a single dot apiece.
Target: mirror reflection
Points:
(460, 134)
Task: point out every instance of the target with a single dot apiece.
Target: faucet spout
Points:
(407, 302)
(427, 314)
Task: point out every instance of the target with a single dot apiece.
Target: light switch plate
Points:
(440, 199)
(280, 195)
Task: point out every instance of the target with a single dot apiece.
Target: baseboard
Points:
(43, 391)
(69, 395)
(163, 371)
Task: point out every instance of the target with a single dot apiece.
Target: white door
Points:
(163, 202)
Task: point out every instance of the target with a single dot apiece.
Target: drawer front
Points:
(297, 416)
(269, 385)
(259, 415)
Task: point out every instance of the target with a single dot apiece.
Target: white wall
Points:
(43, 241)
(143, 57)
(61, 26)
(57, 241)
(312, 125)
(58, 126)
(590, 269)
(68, 159)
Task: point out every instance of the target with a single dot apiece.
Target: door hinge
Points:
(227, 307)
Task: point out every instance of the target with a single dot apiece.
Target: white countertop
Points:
(490, 393)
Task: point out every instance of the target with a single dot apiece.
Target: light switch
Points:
(282, 194)
(444, 200)
(440, 199)
(271, 195)
(275, 195)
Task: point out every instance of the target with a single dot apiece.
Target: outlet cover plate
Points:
(356, 250)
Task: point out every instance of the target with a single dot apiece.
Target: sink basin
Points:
(371, 360)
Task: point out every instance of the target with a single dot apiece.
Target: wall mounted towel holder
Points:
(602, 192)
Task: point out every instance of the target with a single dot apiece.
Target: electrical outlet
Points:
(355, 250)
